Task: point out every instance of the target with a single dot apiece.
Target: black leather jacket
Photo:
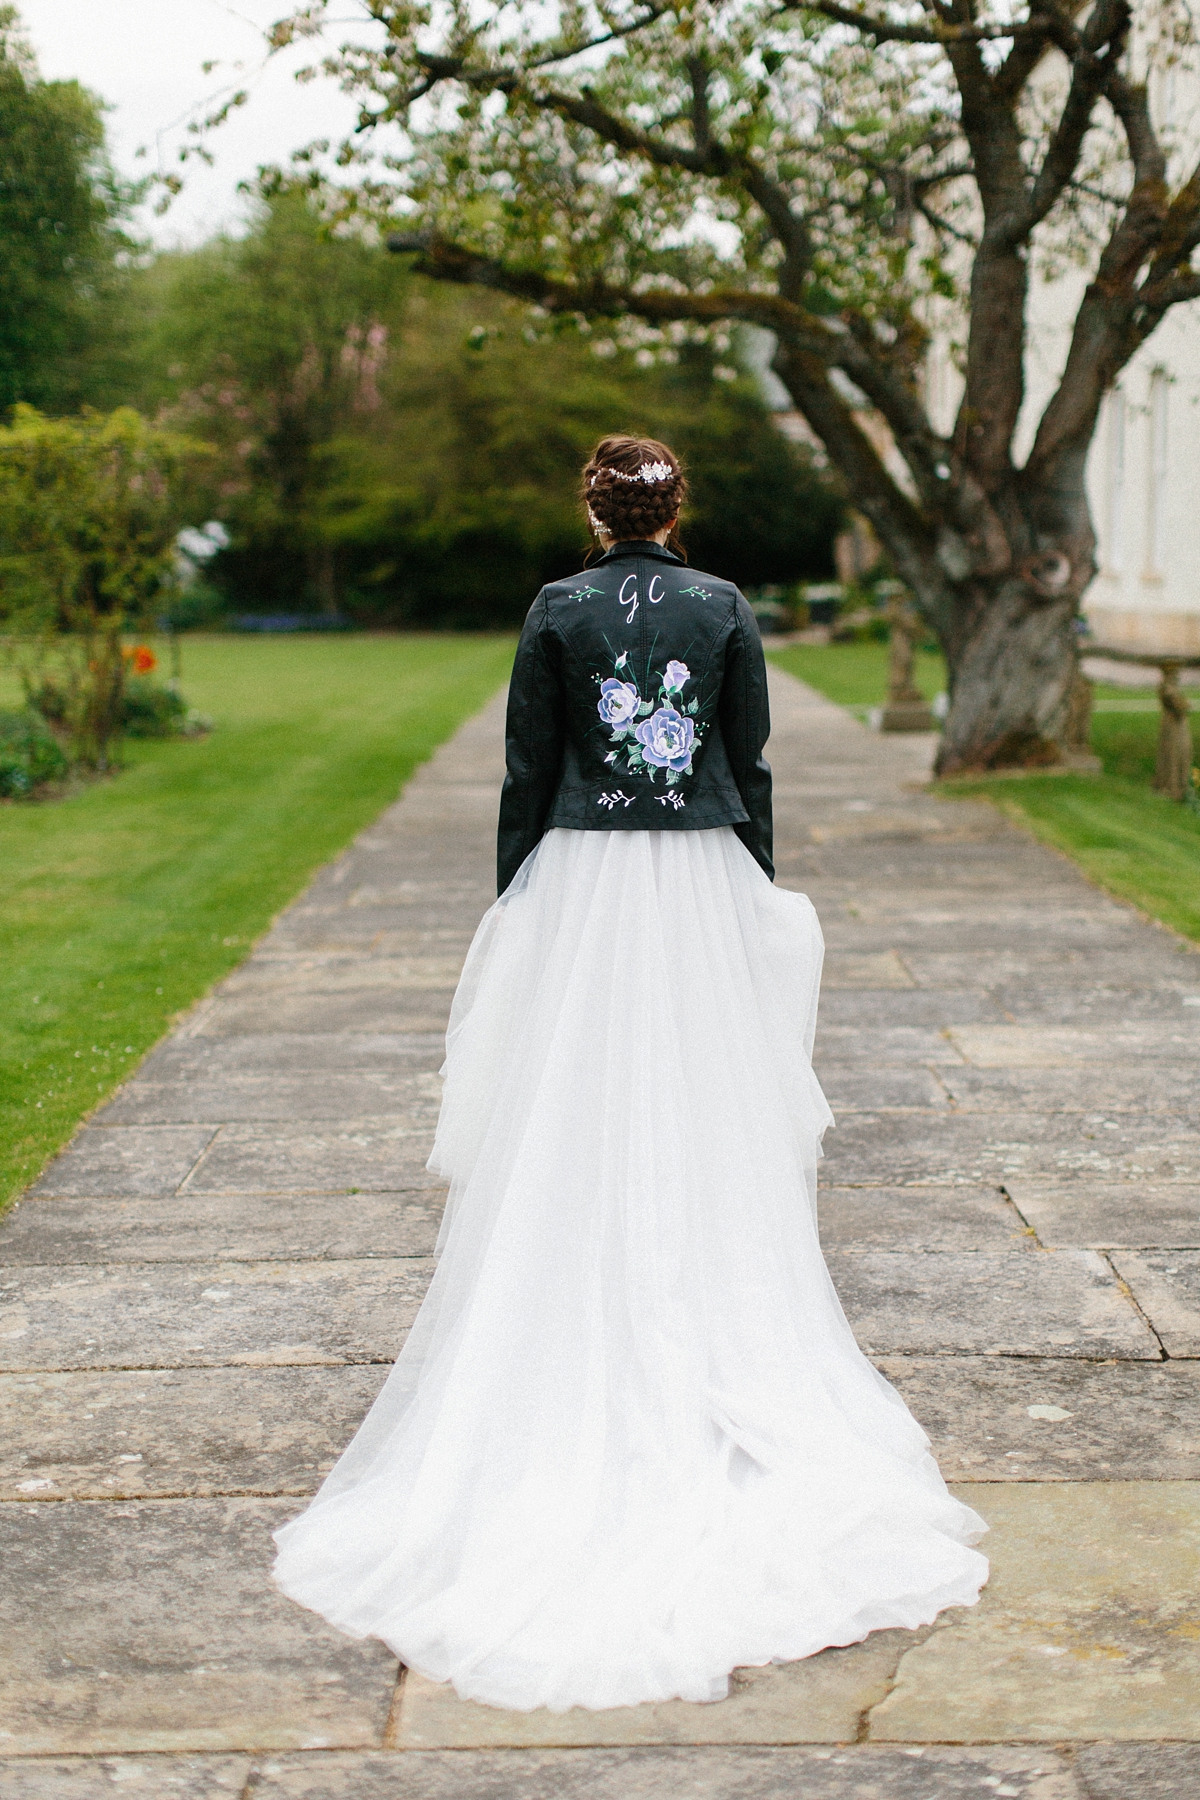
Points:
(638, 703)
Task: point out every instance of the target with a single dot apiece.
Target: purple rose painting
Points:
(676, 677)
(618, 703)
(666, 738)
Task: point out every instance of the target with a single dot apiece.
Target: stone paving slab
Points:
(181, 1061)
(153, 1160)
(224, 1227)
(989, 1303)
(142, 1777)
(883, 1046)
(207, 1315)
(1110, 1215)
(1088, 1628)
(1067, 1047)
(401, 1011)
(877, 969)
(940, 1007)
(850, 1089)
(906, 916)
(818, 1701)
(850, 1772)
(1104, 1421)
(331, 1033)
(1166, 1285)
(978, 935)
(1138, 1771)
(221, 1097)
(354, 1156)
(160, 1433)
(1050, 966)
(332, 973)
(1147, 1087)
(153, 1625)
(938, 1147)
(912, 1218)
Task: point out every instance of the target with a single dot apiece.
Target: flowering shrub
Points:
(89, 512)
(29, 754)
(151, 708)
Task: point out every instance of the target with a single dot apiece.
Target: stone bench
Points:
(1173, 764)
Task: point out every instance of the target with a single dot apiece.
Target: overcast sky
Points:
(144, 58)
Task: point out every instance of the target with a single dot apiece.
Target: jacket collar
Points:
(636, 547)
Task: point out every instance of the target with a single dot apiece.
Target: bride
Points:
(631, 1443)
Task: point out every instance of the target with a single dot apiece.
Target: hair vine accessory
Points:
(649, 472)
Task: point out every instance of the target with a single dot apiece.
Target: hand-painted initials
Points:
(652, 597)
(623, 598)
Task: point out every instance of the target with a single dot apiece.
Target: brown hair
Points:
(633, 486)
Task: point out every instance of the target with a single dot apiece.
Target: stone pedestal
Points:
(906, 709)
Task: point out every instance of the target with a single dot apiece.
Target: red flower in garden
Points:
(142, 658)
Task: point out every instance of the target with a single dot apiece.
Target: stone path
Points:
(205, 1290)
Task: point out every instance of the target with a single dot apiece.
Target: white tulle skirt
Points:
(630, 1443)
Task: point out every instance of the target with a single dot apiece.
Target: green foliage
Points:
(272, 346)
(409, 455)
(60, 238)
(122, 904)
(152, 708)
(30, 754)
(89, 509)
(856, 675)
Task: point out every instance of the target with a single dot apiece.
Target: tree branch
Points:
(708, 156)
(701, 117)
(445, 261)
(1100, 45)
(908, 536)
(1108, 326)
(939, 224)
(1181, 233)
(938, 32)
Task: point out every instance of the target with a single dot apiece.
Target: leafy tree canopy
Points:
(831, 171)
(60, 237)
(408, 454)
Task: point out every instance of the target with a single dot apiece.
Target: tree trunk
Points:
(1003, 602)
(322, 575)
(1012, 668)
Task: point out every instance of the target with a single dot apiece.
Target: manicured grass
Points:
(855, 675)
(122, 903)
(1128, 839)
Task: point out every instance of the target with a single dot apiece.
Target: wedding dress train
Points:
(631, 1443)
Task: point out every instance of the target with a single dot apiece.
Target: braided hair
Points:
(632, 487)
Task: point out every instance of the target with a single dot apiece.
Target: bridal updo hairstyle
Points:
(632, 487)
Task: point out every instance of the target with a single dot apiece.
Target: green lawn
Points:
(855, 675)
(124, 902)
(1127, 838)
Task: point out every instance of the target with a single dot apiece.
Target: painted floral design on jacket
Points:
(666, 739)
(619, 702)
(649, 735)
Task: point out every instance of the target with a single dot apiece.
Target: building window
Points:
(1156, 477)
(1114, 509)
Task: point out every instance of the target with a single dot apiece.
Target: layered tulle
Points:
(631, 1443)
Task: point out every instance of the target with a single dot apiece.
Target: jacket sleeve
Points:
(745, 726)
(535, 738)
